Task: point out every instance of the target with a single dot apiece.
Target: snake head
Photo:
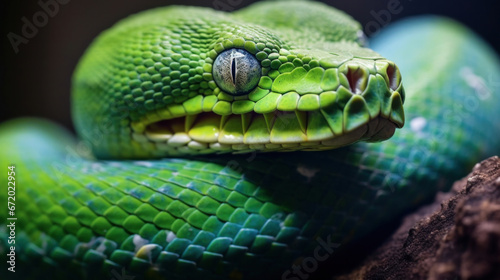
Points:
(187, 81)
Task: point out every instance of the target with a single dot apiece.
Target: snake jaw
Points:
(357, 102)
(340, 118)
(328, 108)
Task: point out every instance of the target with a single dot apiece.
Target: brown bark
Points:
(456, 237)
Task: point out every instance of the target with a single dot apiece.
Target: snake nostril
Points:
(393, 76)
(357, 78)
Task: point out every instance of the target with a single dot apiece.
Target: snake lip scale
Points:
(229, 133)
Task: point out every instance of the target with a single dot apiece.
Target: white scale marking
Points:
(171, 236)
(139, 242)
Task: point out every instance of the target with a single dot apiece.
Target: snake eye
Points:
(236, 71)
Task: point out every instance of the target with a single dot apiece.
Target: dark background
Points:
(36, 81)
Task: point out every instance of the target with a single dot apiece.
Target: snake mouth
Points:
(276, 131)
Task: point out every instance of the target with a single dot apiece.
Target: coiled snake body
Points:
(182, 84)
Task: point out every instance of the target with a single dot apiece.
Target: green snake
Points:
(187, 111)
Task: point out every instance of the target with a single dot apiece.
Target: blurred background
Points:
(36, 72)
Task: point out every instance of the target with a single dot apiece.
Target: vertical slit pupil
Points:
(233, 70)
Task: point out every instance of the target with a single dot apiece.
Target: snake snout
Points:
(370, 91)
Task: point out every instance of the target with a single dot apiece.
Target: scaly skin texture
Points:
(253, 215)
(148, 87)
